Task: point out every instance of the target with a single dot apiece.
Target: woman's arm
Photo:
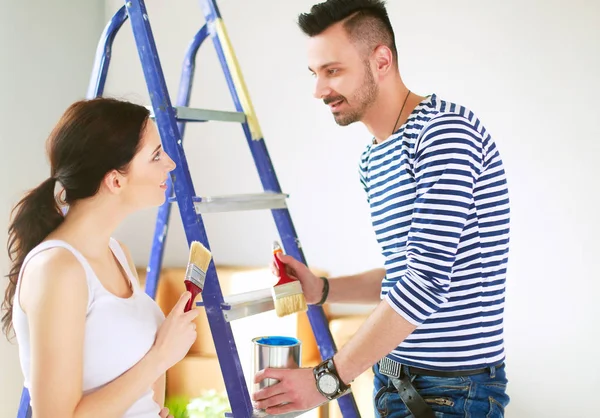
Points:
(55, 296)
(159, 388)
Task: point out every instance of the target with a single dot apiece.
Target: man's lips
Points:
(333, 105)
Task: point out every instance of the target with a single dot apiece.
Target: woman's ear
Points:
(114, 181)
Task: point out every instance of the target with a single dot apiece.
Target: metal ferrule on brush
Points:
(194, 274)
(288, 289)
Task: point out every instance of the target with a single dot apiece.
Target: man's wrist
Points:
(343, 370)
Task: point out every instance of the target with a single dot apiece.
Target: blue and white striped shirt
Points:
(440, 209)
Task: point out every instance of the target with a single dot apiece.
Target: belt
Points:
(391, 368)
(403, 383)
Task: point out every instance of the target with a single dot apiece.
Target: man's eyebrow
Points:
(329, 64)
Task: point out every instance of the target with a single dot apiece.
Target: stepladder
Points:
(171, 119)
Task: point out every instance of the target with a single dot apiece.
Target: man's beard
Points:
(362, 99)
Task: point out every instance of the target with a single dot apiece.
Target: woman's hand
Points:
(164, 413)
(176, 335)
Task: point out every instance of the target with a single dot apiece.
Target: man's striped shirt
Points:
(440, 209)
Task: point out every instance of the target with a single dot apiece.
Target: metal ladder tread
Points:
(238, 202)
(190, 114)
(246, 304)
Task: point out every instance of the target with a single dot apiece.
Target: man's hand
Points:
(312, 286)
(296, 389)
(164, 413)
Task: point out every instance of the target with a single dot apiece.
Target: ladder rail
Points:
(159, 238)
(104, 54)
(24, 410)
(193, 225)
(270, 183)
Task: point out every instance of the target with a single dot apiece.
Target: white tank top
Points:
(118, 331)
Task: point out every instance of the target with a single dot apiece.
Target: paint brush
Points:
(287, 292)
(195, 273)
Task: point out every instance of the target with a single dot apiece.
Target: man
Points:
(439, 204)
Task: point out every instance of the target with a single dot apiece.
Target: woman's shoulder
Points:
(52, 271)
(51, 256)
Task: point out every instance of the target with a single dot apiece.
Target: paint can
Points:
(275, 352)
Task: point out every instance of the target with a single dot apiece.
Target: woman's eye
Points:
(156, 156)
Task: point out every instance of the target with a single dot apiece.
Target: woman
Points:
(91, 342)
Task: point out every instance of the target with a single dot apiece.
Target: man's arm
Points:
(359, 288)
(448, 160)
(375, 339)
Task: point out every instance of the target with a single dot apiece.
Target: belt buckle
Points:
(390, 368)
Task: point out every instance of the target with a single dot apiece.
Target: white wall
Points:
(528, 68)
(46, 53)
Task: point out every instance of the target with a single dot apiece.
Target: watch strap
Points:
(328, 367)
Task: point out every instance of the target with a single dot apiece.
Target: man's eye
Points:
(332, 71)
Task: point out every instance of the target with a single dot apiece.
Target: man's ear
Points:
(114, 181)
(384, 59)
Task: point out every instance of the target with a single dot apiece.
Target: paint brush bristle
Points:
(289, 299)
(287, 292)
(200, 256)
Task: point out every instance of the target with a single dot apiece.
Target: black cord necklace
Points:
(401, 110)
(398, 118)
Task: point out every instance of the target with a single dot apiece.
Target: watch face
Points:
(328, 384)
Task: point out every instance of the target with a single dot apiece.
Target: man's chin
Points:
(345, 120)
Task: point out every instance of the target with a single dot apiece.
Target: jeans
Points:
(477, 396)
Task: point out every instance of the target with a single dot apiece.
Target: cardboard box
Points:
(194, 375)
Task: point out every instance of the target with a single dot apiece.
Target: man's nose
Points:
(321, 89)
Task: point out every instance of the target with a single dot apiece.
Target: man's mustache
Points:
(333, 99)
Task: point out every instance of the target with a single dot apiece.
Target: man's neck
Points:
(393, 106)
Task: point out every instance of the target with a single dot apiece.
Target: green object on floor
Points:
(178, 406)
(211, 404)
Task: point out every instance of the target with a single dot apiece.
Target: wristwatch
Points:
(328, 380)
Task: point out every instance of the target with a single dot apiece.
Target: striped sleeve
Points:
(448, 160)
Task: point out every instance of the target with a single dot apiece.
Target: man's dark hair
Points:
(365, 21)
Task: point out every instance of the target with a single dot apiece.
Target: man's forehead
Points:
(331, 46)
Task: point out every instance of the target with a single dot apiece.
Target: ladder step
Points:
(190, 114)
(239, 202)
(247, 304)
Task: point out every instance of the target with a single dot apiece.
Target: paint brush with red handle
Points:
(287, 293)
(195, 273)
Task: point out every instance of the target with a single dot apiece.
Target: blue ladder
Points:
(171, 122)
